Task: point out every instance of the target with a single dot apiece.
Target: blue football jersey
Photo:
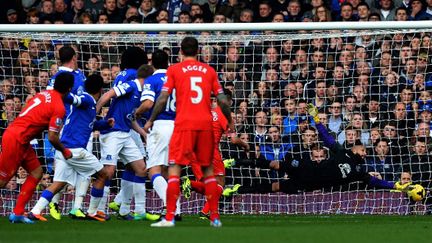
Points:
(79, 79)
(122, 108)
(79, 122)
(153, 88)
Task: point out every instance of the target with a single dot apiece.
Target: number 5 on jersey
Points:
(194, 87)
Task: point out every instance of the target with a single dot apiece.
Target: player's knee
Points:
(220, 180)
(109, 171)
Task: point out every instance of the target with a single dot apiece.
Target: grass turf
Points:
(236, 228)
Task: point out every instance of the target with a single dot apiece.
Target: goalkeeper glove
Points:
(67, 154)
(313, 111)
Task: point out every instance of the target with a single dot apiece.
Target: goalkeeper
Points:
(324, 168)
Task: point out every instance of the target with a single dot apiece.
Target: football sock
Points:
(206, 207)
(44, 200)
(198, 186)
(173, 192)
(212, 193)
(375, 182)
(25, 194)
(160, 186)
(126, 191)
(104, 199)
(95, 197)
(81, 188)
(118, 197)
(139, 192)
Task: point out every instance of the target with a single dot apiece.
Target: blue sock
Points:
(47, 195)
(128, 175)
(96, 192)
(154, 177)
(139, 179)
(381, 184)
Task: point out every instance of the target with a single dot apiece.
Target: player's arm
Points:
(54, 139)
(145, 106)
(105, 99)
(323, 133)
(103, 124)
(159, 107)
(81, 101)
(237, 141)
(137, 128)
(226, 110)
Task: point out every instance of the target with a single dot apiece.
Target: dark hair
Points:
(189, 46)
(66, 53)
(160, 59)
(64, 82)
(133, 58)
(93, 84)
(145, 71)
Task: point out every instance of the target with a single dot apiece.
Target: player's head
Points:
(359, 149)
(93, 84)
(160, 59)
(144, 71)
(64, 82)
(66, 54)
(133, 58)
(189, 46)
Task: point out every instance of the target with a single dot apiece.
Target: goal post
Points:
(370, 80)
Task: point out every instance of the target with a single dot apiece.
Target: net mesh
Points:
(367, 85)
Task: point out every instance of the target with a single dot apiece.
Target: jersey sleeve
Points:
(169, 84)
(216, 87)
(149, 92)
(124, 88)
(56, 120)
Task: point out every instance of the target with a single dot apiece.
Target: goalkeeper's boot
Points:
(216, 223)
(103, 215)
(54, 211)
(95, 217)
(186, 187)
(146, 216)
(114, 206)
(126, 217)
(203, 215)
(77, 214)
(34, 217)
(18, 219)
(228, 163)
(163, 223)
(228, 192)
(402, 187)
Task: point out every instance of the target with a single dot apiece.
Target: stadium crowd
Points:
(374, 88)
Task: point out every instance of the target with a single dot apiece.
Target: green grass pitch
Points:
(236, 228)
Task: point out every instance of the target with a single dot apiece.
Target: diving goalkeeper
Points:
(327, 166)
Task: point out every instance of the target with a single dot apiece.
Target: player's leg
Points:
(45, 198)
(81, 188)
(159, 183)
(110, 146)
(96, 195)
(32, 165)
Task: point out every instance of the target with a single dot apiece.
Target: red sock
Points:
(173, 192)
(206, 207)
(198, 186)
(212, 196)
(25, 194)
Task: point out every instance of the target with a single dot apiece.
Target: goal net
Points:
(372, 86)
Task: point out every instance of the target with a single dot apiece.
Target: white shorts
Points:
(137, 139)
(158, 142)
(90, 143)
(83, 163)
(118, 146)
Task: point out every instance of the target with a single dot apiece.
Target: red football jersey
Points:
(193, 82)
(220, 125)
(44, 111)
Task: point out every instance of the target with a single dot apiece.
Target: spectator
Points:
(265, 13)
(322, 14)
(290, 122)
(386, 10)
(113, 13)
(95, 8)
(363, 12)
(210, 9)
(401, 14)
(61, 12)
(418, 11)
(77, 10)
(335, 121)
(294, 12)
(12, 17)
(382, 161)
(33, 16)
(232, 9)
